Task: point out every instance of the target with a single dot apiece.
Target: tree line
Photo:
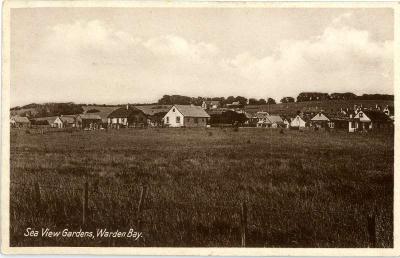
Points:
(302, 97)
(185, 100)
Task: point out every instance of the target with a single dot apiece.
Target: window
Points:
(361, 114)
(178, 119)
(173, 110)
(196, 120)
(167, 119)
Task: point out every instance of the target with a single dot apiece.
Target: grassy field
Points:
(302, 189)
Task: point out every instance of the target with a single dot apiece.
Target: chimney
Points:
(127, 106)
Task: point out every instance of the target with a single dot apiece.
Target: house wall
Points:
(137, 120)
(352, 126)
(195, 121)
(170, 119)
(91, 123)
(58, 123)
(298, 122)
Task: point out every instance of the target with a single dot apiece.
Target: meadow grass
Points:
(302, 189)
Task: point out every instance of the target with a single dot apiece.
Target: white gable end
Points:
(173, 118)
(320, 117)
(362, 116)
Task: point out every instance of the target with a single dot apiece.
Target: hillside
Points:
(281, 108)
(316, 106)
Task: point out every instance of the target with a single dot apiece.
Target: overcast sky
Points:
(130, 55)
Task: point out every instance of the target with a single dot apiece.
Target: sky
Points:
(136, 55)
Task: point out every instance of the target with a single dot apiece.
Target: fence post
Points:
(371, 226)
(38, 197)
(143, 193)
(85, 203)
(243, 223)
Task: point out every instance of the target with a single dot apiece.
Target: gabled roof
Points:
(91, 116)
(124, 112)
(377, 116)
(49, 119)
(68, 119)
(151, 110)
(261, 115)
(191, 111)
(20, 119)
(320, 117)
(275, 119)
(104, 111)
(298, 117)
(249, 115)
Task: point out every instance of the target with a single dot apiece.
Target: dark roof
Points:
(124, 112)
(49, 119)
(192, 111)
(154, 109)
(91, 116)
(337, 117)
(104, 111)
(377, 116)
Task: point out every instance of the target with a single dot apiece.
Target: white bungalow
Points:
(186, 116)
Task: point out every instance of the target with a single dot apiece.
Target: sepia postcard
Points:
(200, 128)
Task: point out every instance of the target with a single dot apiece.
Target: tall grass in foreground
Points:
(303, 189)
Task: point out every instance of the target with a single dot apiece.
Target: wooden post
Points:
(38, 197)
(85, 203)
(143, 193)
(243, 223)
(371, 226)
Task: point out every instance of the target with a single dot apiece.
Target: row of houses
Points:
(198, 116)
(129, 116)
(63, 121)
(360, 120)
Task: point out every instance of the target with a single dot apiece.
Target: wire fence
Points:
(245, 214)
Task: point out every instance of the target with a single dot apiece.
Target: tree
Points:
(229, 100)
(271, 101)
(287, 100)
(312, 96)
(344, 96)
(376, 97)
(253, 101)
(175, 99)
(262, 102)
(241, 100)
